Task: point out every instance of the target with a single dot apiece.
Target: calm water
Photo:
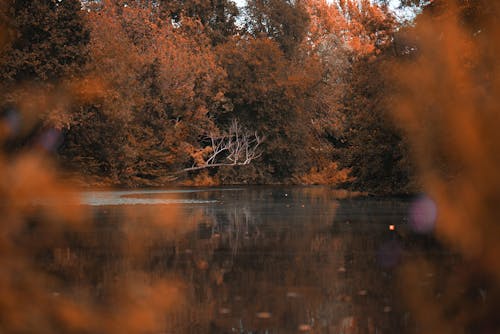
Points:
(263, 259)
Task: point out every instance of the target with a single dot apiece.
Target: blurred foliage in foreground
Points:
(448, 102)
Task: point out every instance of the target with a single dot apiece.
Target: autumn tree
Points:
(162, 84)
(41, 63)
(50, 41)
(170, 75)
(267, 91)
(353, 40)
(375, 148)
(284, 21)
(343, 50)
(218, 17)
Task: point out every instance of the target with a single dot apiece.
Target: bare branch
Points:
(237, 147)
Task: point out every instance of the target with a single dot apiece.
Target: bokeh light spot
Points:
(423, 215)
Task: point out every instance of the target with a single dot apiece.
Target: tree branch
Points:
(238, 147)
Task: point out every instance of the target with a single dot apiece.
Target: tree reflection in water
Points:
(288, 260)
(250, 260)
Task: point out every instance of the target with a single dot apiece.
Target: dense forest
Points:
(137, 93)
(202, 92)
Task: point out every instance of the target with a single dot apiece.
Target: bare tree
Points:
(237, 147)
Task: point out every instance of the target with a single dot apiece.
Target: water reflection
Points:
(257, 260)
(143, 197)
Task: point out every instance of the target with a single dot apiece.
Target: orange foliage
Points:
(450, 109)
(362, 26)
(162, 84)
(330, 174)
(47, 286)
(448, 103)
(46, 294)
(203, 179)
(150, 89)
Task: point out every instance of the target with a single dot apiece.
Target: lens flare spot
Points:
(12, 120)
(423, 214)
(50, 140)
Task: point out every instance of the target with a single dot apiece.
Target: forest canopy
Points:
(194, 92)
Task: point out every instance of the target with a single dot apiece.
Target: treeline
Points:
(151, 92)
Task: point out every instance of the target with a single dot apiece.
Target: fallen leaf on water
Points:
(305, 328)
(224, 310)
(263, 315)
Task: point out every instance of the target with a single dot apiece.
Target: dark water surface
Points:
(269, 259)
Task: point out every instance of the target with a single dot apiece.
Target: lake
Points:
(251, 259)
